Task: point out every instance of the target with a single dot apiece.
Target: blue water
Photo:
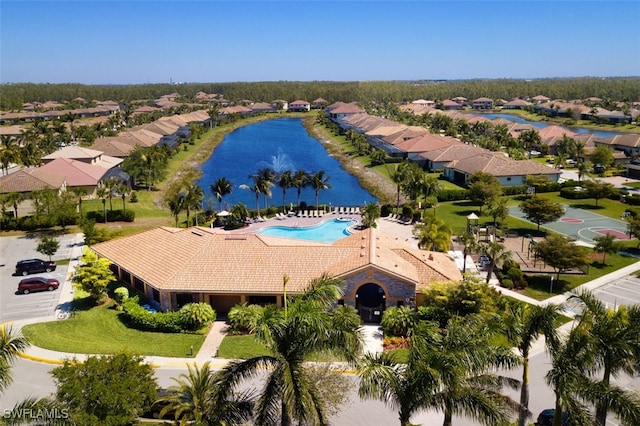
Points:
(281, 144)
(540, 125)
(326, 232)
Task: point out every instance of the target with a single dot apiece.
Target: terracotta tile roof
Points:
(453, 152)
(75, 152)
(405, 134)
(199, 259)
(30, 179)
(629, 140)
(499, 165)
(386, 130)
(427, 142)
(75, 172)
(557, 131)
(114, 146)
(347, 109)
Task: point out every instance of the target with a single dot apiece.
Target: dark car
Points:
(545, 418)
(29, 285)
(33, 266)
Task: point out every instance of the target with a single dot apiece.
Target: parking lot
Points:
(624, 291)
(14, 306)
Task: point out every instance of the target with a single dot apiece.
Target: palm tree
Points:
(470, 244)
(292, 338)
(434, 235)
(102, 194)
(175, 202)
(193, 200)
(319, 182)
(300, 180)
(448, 370)
(370, 214)
(11, 344)
(615, 344)
(111, 185)
(398, 176)
(497, 255)
(220, 188)
(285, 182)
(194, 400)
(13, 199)
(79, 192)
(265, 180)
(523, 323)
(123, 189)
(240, 212)
(256, 188)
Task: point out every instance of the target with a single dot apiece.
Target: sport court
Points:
(581, 225)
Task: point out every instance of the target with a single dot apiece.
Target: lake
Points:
(541, 125)
(279, 144)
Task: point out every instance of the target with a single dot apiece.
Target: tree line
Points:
(12, 96)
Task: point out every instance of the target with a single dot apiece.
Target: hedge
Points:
(112, 216)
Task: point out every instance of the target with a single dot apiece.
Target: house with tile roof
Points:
(482, 103)
(449, 104)
(437, 159)
(29, 179)
(516, 103)
(171, 267)
(86, 155)
(414, 147)
(299, 106)
(508, 171)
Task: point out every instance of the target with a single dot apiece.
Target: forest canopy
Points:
(625, 89)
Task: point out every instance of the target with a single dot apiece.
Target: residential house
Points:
(516, 103)
(449, 104)
(172, 267)
(299, 106)
(29, 179)
(508, 171)
(483, 103)
(438, 159)
(412, 149)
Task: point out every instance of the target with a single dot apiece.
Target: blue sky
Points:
(128, 42)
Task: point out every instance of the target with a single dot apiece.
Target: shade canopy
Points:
(223, 213)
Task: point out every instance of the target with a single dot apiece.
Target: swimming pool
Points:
(326, 232)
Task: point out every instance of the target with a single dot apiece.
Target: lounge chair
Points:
(299, 213)
(341, 210)
(335, 210)
(356, 210)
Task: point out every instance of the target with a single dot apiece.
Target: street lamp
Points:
(551, 285)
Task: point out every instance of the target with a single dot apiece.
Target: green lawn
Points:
(241, 347)
(99, 331)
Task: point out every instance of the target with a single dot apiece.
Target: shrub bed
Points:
(190, 318)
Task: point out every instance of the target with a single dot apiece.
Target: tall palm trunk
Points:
(524, 391)
(601, 408)
(286, 420)
(448, 415)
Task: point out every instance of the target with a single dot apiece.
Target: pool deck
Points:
(396, 229)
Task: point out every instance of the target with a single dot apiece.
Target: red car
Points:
(29, 285)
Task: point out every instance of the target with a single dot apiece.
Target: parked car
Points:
(33, 266)
(545, 418)
(29, 285)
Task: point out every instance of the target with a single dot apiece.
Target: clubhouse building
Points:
(172, 267)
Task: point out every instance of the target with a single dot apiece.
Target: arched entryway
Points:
(370, 302)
